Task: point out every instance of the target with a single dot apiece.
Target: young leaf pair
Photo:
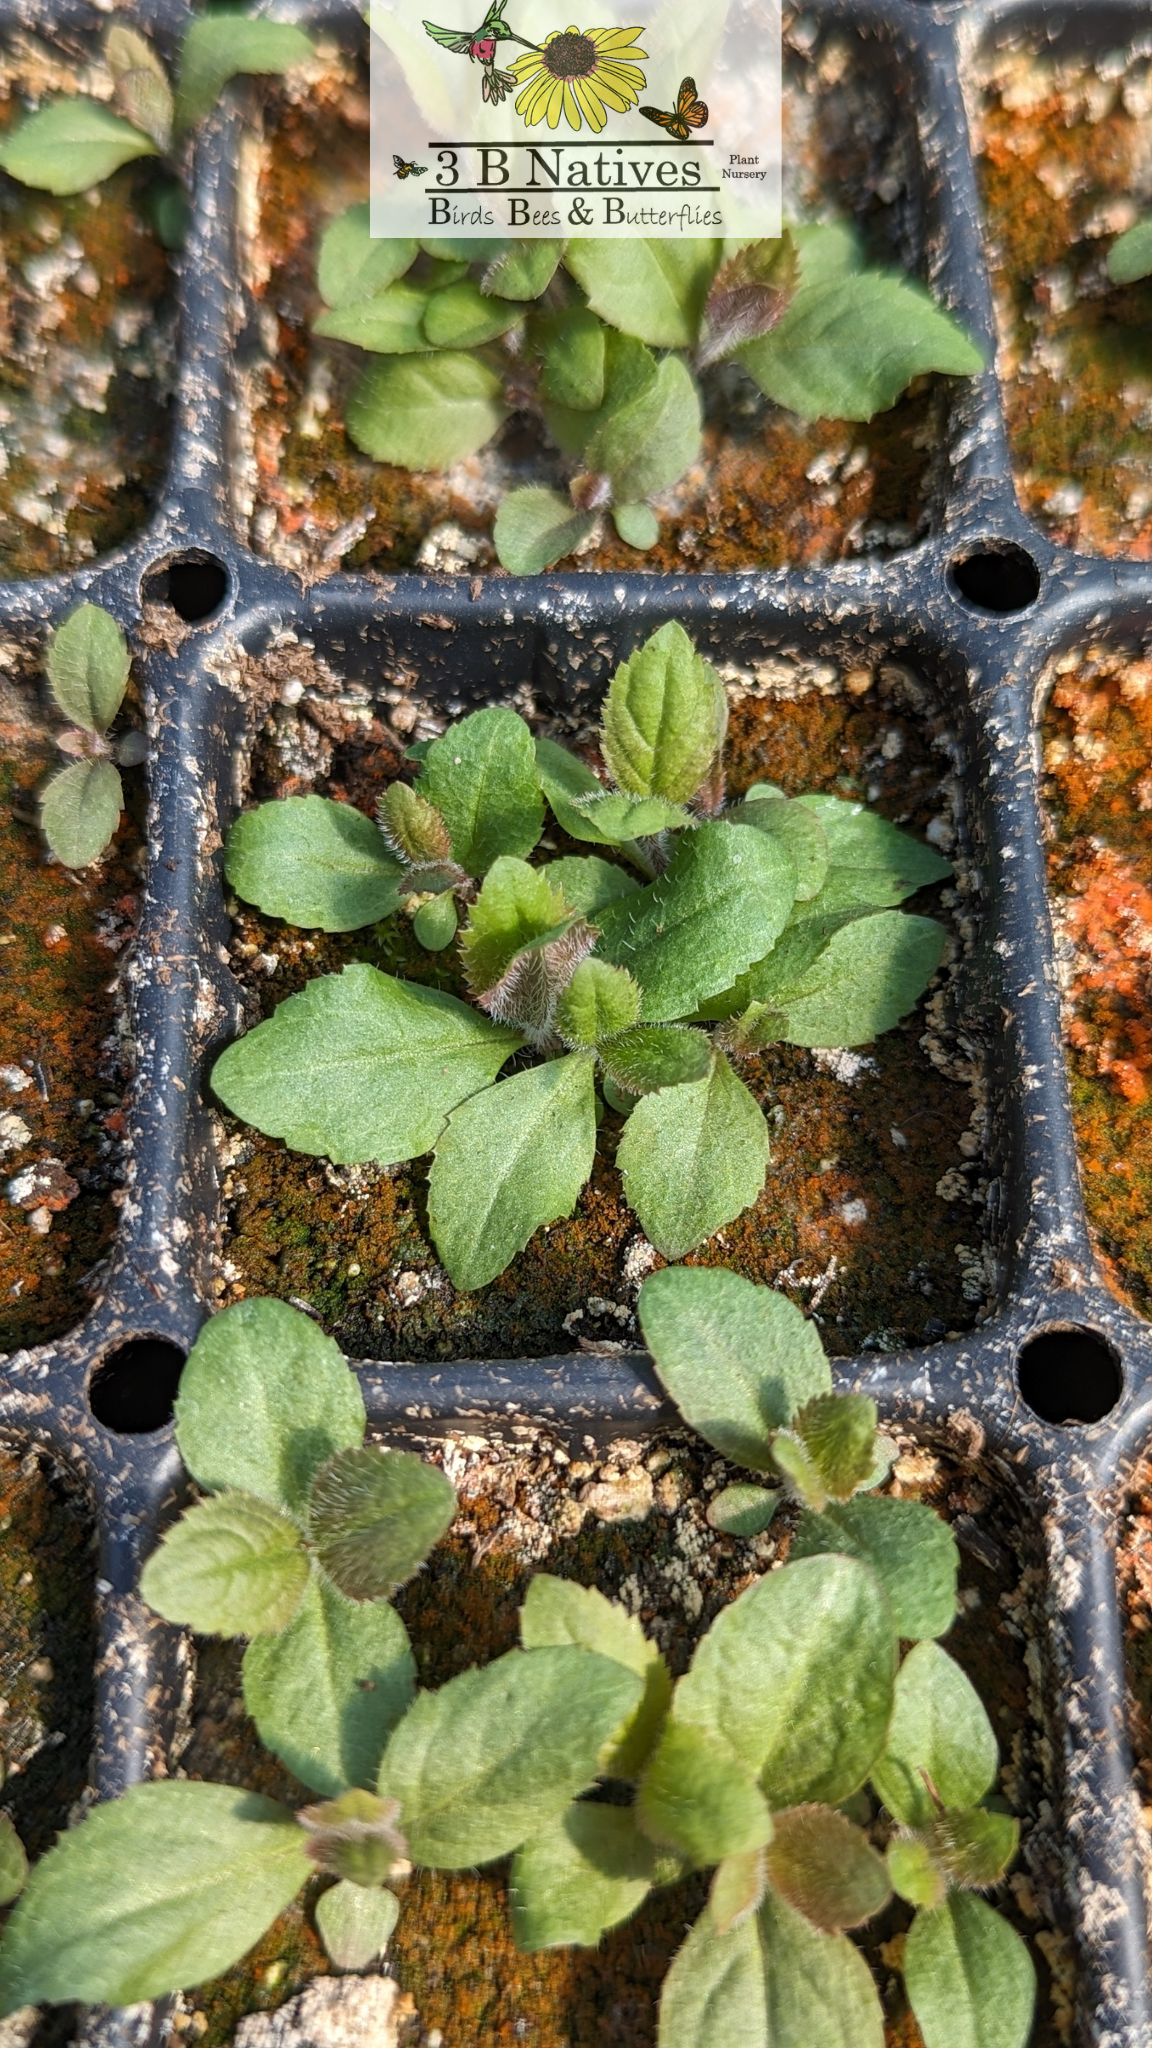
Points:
(468, 331)
(769, 922)
(87, 666)
(72, 144)
(748, 1371)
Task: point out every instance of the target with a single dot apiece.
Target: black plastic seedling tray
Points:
(1058, 1379)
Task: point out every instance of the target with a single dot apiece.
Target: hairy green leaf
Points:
(715, 1990)
(621, 819)
(741, 1510)
(509, 1161)
(737, 1359)
(516, 907)
(939, 1726)
(629, 372)
(232, 1566)
(871, 864)
(327, 1692)
(1130, 256)
(720, 904)
(827, 249)
(69, 145)
(909, 1547)
(13, 1862)
(974, 1848)
(87, 664)
(435, 923)
(847, 348)
(361, 1066)
(218, 47)
(413, 827)
(536, 527)
(264, 1399)
(693, 1157)
(461, 316)
(140, 83)
(869, 974)
(573, 363)
(737, 1889)
(826, 1868)
(495, 1756)
(969, 1977)
(800, 830)
(165, 1887)
(425, 412)
(749, 296)
(80, 811)
(597, 1001)
(698, 1798)
(644, 446)
(651, 1056)
(568, 785)
(523, 270)
(389, 322)
(483, 779)
(586, 1873)
(352, 265)
(796, 1677)
(355, 1922)
(654, 289)
(915, 1874)
(820, 1989)
(374, 1516)
(664, 718)
(589, 884)
(839, 1433)
(314, 862)
(558, 1611)
(637, 526)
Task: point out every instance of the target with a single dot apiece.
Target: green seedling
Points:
(655, 966)
(87, 666)
(72, 144)
(605, 341)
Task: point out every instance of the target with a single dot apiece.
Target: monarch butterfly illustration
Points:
(690, 112)
(404, 170)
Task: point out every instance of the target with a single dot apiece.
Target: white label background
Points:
(482, 173)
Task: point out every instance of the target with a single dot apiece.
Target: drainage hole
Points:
(997, 579)
(133, 1390)
(193, 585)
(1069, 1376)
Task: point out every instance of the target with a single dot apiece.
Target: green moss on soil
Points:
(60, 939)
(1063, 169)
(1098, 790)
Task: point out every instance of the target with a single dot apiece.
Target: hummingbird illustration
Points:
(479, 45)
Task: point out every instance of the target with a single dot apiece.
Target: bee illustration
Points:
(690, 112)
(404, 170)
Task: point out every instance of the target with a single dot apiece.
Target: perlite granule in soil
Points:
(65, 1047)
(875, 1215)
(768, 489)
(1097, 752)
(87, 339)
(1065, 167)
(631, 1520)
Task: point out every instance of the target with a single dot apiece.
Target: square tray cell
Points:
(875, 1214)
(87, 345)
(768, 489)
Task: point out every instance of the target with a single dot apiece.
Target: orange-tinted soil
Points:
(1098, 786)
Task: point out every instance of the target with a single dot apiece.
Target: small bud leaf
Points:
(374, 1516)
(356, 1924)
